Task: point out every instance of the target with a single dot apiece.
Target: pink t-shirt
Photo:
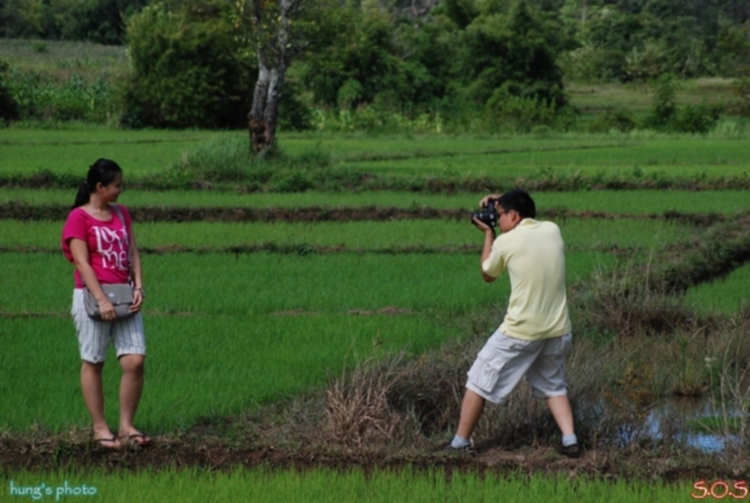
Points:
(108, 244)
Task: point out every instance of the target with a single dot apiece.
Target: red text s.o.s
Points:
(720, 490)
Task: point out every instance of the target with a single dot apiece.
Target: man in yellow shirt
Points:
(535, 335)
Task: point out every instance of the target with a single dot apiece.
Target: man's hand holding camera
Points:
(486, 219)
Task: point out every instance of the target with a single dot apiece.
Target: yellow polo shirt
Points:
(534, 255)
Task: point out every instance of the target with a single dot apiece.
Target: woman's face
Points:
(109, 193)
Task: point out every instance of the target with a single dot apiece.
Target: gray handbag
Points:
(119, 294)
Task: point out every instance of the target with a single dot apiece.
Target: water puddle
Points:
(677, 417)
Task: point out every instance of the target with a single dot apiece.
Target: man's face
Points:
(507, 219)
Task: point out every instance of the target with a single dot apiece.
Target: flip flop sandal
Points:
(107, 443)
(138, 439)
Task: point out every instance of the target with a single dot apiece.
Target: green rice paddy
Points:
(357, 236)
(322, 485)
(726, 295)
(231, 329)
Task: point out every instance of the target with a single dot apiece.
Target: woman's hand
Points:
(137, 300)
(107, 310)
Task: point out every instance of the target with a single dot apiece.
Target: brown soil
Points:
(211, 453)
(23, 211)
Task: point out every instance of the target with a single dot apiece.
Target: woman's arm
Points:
(135, 264)
(80, 251)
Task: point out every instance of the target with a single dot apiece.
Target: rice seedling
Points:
(607, 202)
(381, 236)
(327, 485)
(727, 295)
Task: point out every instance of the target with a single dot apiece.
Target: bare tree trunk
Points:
(273, 61)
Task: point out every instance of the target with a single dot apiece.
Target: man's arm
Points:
(489, 238)
(486, 199)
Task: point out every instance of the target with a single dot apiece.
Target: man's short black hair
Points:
(520, 201)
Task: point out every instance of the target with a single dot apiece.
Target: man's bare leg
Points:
(471, 410)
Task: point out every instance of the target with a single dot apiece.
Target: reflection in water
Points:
(676, 417)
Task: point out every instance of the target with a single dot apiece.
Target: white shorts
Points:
(127, 334)
(504, 360)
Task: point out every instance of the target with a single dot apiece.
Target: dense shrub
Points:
(741, 91)
(294, 112)
(94, 20)
(696, 118)
(665, 115)
(589, 63)
(373, 119)
(228, 161)
(188, 69)
(506, 112)
(617, 120)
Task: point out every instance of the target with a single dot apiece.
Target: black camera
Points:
(488, 215)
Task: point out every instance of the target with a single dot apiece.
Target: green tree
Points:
(22, 18)
(733, 48)
(187, 67)
(96, 20)
(371, 59)
(8, 105)
(515, 51)
(664, 106)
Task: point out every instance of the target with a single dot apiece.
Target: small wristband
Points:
(140, 289)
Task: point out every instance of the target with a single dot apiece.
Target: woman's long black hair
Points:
(102, 171)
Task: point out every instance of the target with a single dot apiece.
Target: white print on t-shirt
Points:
(112, 246)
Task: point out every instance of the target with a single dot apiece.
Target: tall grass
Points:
(54, 82)
(637, 98)
(43, 98)
(59, 56)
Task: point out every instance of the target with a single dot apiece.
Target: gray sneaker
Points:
(571, 451)
(467, 450)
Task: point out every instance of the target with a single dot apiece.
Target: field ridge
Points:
(18, 210)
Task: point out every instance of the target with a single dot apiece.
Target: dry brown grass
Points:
(412, 403)
(357, 409)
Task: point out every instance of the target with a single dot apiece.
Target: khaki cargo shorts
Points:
(505, 360)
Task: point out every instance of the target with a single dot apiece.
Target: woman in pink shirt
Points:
(98, 240)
